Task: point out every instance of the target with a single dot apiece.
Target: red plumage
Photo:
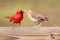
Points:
(17, 18)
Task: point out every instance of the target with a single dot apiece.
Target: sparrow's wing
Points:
(37, 15)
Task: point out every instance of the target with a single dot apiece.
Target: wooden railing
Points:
(31, 33)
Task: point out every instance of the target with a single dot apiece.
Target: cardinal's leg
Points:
(19, 24)
(13, 26)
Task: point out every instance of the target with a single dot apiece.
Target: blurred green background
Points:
(49, 8)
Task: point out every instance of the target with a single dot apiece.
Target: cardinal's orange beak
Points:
(24, 11)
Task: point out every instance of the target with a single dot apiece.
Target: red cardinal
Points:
(17, 18)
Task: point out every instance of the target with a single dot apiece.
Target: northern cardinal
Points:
(17, 18)
(37, 18)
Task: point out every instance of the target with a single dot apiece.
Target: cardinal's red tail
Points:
(7, 17)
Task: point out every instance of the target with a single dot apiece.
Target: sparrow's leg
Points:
(38, 25)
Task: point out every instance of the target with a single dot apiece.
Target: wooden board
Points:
(31, 33)
(30, 30)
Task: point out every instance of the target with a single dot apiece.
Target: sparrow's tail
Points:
(50, 22)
